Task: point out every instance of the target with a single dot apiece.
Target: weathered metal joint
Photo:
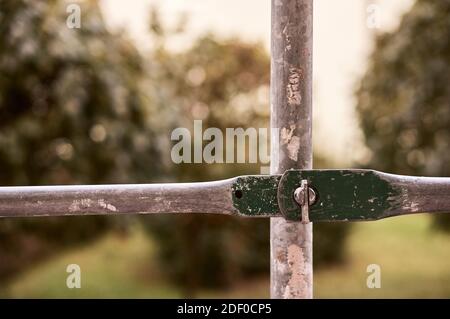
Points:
(339, 195)
(297, 195)
(305, 197)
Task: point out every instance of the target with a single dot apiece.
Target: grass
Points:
(414, 261)
(114, 267)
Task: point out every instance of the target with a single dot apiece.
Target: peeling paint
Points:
(292, 141)
(411, 206)
(287, 37)
(343, 194)
(80, 204)
(103, 204)
(294, 97)
(258, 195)
(293, 148)
(297, 284)
(286, 134)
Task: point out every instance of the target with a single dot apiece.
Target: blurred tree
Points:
(224, 83)
(77, 106)
(404, 97)
(81, 106)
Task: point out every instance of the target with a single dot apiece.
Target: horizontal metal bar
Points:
(207, 197)
(341, 195)
(418, 194)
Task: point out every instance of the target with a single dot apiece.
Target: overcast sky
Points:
(342, 41)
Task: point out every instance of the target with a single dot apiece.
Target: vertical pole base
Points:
(291, 274)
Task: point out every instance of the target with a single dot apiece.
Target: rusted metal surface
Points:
(291, 139)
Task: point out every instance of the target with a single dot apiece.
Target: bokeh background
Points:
(98, 105)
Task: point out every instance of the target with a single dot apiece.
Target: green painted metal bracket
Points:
(341, 195)
(256, 196)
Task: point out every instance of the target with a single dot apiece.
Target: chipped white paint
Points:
(411, 206)
(292, 141)
(278, 3)
(293, 147)
(292, 262)
(80, 204)
(103, 204)
(296, 287)
(287, 37)
(294, 97)
(286, 134)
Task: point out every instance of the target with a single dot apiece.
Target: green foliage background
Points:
(76, 107)
(404, 96)
(84, 106)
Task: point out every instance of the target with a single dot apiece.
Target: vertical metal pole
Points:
(291, 121)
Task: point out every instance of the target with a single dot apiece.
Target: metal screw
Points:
(305, 197)
(298, 196)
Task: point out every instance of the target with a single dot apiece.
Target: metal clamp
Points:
(305, 197)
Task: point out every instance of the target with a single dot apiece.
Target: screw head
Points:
(299, 195)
